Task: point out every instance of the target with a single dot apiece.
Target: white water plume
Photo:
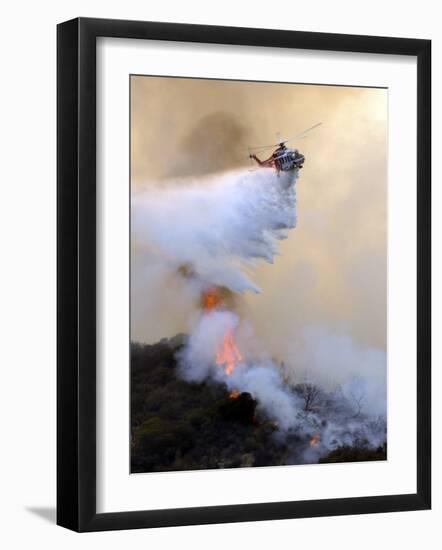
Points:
(219, 226)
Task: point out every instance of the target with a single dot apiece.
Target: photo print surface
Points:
(258, 274)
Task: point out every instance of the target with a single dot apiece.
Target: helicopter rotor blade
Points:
(262, 147)
(302, 134)
(266, 147)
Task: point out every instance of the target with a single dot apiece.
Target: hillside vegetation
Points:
(179, 425)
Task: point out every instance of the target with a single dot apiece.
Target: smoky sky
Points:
(332, 270)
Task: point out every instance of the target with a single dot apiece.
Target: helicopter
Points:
(283, 159)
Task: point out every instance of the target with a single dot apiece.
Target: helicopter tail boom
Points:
(266, 163)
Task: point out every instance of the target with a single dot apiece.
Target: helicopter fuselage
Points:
(283, 159)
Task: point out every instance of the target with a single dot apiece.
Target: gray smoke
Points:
(258, 376)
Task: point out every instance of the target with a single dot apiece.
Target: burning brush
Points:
(227, 355)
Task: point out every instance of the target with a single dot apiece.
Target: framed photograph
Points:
(243, 274)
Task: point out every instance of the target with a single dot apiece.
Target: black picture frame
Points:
(76, 274)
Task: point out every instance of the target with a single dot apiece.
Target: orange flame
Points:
(314, 440)
(211, 298)
(234, 394)
(229, 354)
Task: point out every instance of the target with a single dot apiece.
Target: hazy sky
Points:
(332, 268)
